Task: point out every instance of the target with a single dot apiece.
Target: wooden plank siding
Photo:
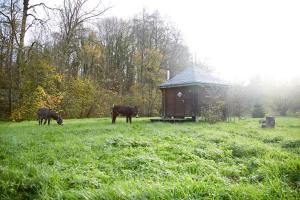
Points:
(191, 102)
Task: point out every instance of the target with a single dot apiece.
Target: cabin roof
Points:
(193, 76)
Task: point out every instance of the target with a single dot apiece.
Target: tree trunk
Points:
(9, 64)
(10, 75)
(20, 56)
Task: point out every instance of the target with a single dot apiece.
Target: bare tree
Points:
(16, 17)
(74, 15)
(237, 101)
(118, 42)
(9, 11)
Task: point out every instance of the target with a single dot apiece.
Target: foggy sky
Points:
(239, 39)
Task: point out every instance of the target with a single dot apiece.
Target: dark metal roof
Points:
(193, 76)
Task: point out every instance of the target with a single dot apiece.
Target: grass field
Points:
(93, 159)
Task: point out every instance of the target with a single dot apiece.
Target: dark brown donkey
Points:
(127, 111)
(46, 114)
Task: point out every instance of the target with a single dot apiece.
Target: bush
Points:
(84, 99)
(215, 112)
(42, 89)
(31, 103)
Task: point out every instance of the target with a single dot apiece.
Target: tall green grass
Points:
(93, 159)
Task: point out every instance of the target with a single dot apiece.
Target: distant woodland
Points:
(80, 63)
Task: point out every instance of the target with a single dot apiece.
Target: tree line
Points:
(264, 97)
(80, 63)
(86, 62)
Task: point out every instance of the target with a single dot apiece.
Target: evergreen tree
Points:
(258, 111)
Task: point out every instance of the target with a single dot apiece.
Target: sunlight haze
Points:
(238, 39)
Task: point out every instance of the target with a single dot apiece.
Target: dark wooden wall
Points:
(191, 102)
(175, 105)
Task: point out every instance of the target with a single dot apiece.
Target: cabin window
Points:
(179, 94)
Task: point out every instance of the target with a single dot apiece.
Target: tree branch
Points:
(7, 17)
(42, 4)
(29, 50)
(90, 15)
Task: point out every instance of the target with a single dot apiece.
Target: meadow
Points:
(94, 159)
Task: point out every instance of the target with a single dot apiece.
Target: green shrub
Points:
(211, 153)
(126, 142)
(246, 150)
(258, 111)
(215, 112)
(276, 139)
(82, 98)
(291, 144)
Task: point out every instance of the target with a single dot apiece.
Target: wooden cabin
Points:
(189, 92)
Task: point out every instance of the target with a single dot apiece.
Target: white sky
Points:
(238, 38)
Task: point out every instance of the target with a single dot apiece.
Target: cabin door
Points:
(188, 102)
(179, 104)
